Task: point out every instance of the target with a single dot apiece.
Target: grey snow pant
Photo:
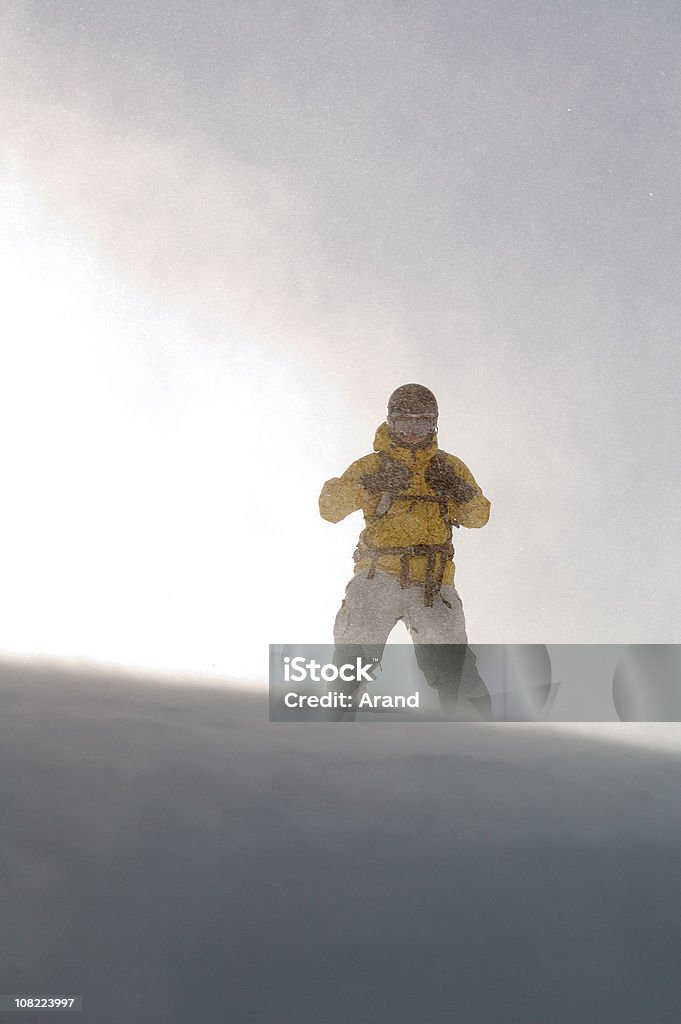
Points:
(370, 610)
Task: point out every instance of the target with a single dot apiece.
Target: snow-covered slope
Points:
(175, 857)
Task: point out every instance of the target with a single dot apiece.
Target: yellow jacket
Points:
(406, 522)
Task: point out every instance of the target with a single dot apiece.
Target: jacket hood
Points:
(383, 442)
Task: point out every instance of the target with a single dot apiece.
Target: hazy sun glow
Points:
(137, 499)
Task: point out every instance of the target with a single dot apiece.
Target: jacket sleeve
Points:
(345, 494)
(473, 513)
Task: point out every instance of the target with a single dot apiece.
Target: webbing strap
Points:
(431, 551)
(443, 502)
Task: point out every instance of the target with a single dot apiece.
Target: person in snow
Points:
(412, 495)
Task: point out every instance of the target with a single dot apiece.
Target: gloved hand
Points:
(391, 476)
(443, 479)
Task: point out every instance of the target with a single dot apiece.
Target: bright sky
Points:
(136, 518)
(212, 286)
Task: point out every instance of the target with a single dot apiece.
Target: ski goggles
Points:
(407, 423)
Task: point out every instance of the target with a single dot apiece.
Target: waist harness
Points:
(431, 551)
